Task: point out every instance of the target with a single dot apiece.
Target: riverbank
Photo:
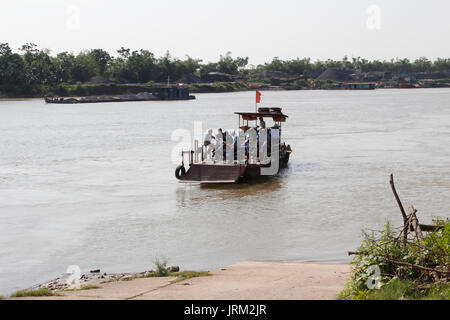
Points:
(250, 280)
(107, 89)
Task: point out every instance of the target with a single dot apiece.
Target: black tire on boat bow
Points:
(180, 171)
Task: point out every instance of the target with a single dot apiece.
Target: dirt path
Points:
(246, 280)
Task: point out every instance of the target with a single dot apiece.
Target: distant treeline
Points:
(32, 71)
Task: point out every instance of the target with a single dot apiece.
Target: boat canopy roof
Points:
(251, 116)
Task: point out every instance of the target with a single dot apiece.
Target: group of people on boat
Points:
(251, 139)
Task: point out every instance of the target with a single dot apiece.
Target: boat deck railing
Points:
(206, 155)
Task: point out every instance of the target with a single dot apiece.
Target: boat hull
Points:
(226, 173)
(78, 101)
(210, 173)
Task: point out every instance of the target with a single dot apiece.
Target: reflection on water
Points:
(190, 195)
(93, 185)
(254, 186)
(301, 166)
(257, 188)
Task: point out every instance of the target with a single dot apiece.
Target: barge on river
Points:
(252, 151)
(153, 94)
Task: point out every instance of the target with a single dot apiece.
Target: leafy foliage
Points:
(383, 248)
(161, 267)
(397, 289)
(35, 71)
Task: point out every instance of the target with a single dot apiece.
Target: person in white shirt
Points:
(209, 147)
(262, 123)
(208, 138)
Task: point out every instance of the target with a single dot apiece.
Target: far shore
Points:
(250, 280)
(202, 91)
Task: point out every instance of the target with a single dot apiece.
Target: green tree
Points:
(85, 67)
(39, 67)
(441, 64)
(12, 70)
(207, 68)
(401, 65)
(276, 65)
(421, 65)
(229, 65)
(188, 66)
(102, 59)
(299, 66)
(142, 66)
(65, 63)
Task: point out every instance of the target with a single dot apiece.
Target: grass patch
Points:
(33, 293)
(185, 275)
(398, 289)
(114, 278)
(87, 287)
(181, 276)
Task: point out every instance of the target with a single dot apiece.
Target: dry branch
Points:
(399, 202)
(415, 243)
(432, 270)
(415, 223)
(429, 228)
(402, 210)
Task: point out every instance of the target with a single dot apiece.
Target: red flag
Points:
(258, 96)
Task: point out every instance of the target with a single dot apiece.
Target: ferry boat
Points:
(254, 151)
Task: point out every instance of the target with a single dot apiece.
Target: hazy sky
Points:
(262, 29)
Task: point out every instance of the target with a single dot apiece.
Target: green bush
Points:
(382, 248)
(442, 80)
(301, 83)
(405, 289)
(161, 267)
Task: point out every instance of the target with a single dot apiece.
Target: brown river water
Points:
(93, 184)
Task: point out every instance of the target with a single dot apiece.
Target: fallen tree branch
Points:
(416, 266)
(415, 223)
(423, 227)
(429, 228)
(355, 253)
(358, 253)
